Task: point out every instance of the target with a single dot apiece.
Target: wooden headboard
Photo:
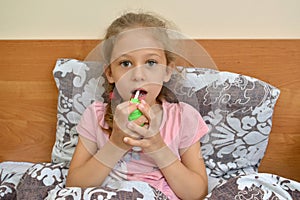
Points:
(28, 95)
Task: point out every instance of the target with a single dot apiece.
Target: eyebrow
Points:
(148, 54)
(145, 55)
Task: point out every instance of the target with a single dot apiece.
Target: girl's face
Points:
(143, 69)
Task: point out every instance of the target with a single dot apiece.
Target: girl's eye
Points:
(126, 63)
(151, 63)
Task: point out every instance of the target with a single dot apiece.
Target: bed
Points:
(32, 154)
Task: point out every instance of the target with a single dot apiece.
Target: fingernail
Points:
(141, 106)
(129, 125)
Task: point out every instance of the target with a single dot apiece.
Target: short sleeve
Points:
(193, 127)
(90, 121)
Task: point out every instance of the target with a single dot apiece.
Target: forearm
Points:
(186, 183)
(96, 168)
(92, 173)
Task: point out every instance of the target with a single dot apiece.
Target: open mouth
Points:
(142, 93)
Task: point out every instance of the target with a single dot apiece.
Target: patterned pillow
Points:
(237, 108)
(76, 83)
(10, 175)
(41, 178)
(48, 181)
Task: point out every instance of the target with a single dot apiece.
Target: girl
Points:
(168, 132)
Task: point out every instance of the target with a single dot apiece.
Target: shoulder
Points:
(187, 119)
(180, 108)
(181, 115)
(91, 119)
(96, 107)
(95, 112)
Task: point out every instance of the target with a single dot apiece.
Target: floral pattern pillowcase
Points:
(237, 108)
(77, 84)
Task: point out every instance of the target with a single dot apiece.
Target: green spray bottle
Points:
(135, 115)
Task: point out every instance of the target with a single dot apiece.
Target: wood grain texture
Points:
(28, 95)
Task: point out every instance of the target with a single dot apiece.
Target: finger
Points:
(131, 108)
(123, 111)
(123, 105)
(134, 142)
(144, 108)
(156, 114)
(141, 121)
(121, 116)
(127, 107)
(141, 131)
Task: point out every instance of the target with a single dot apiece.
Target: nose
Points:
(138, 73)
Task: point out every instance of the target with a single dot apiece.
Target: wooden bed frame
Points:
(28, 95)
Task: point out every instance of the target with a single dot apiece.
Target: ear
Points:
(169, 71)
(108, 74)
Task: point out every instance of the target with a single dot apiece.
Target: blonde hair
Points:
(135, 20)
(130, 21)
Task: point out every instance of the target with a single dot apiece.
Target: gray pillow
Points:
(76, 82)
(237, 108)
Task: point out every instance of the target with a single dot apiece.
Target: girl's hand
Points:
(150, 139)
(120, 129)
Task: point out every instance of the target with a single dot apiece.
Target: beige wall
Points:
(87, 19)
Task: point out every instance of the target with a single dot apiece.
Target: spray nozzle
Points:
(136, 113)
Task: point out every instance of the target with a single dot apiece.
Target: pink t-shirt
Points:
(181, 127)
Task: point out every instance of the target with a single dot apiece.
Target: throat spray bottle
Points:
(135, 115)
